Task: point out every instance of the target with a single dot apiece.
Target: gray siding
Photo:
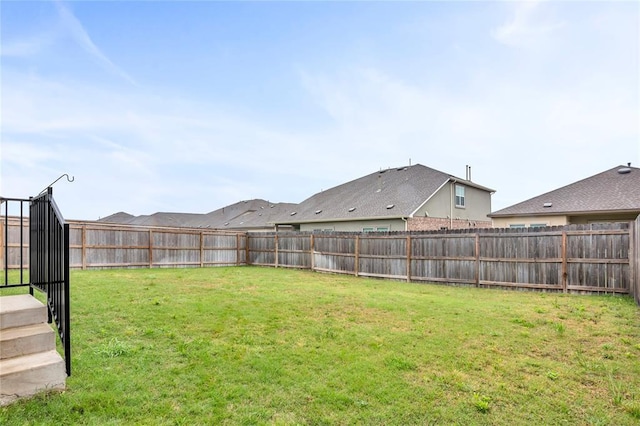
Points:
(442, 204)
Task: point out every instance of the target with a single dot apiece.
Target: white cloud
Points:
(24, 48)
(529, 24)
(82, 38)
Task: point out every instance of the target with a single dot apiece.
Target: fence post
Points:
(83, 254)
(312, 247)
(564, 261)
(632, 263)
(276, 247)
(246, 248)
(634, 260)
(237, 249)
(150, 248)
(356, 265)
(477, 272)
(202, 249)
(408, 258)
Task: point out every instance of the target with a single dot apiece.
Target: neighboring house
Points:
(250, 215)
(407, 198)
(610, 196)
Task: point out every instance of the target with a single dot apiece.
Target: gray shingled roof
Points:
(120, 217)
(608, 191)
(405, 188)
(250, 214)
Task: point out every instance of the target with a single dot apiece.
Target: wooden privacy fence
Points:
(585, 258)
(599, 258)
(106, 246)
(95, 245)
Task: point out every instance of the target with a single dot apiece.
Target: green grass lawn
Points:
(251, 345)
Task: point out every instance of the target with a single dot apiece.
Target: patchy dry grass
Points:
(273, 346)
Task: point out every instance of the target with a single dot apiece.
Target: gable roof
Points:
(120, 217)
(390, 193)
(609, 191)
(249, 214)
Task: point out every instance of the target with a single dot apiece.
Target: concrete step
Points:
(29, 339)
(21, 310)
(28, 375)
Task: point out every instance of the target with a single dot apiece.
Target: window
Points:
(367, 229)
(382, 229)
(460, 196)
(516, 225)
(538, 225)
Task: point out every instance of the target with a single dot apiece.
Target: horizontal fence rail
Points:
(594, 258)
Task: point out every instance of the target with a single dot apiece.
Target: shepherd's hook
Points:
(69, 179)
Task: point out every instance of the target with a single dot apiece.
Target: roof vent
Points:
(624, 170)
(293, 213)
(351, 209)
(547, 205)
(226, 223)
(318, 211)
(390, 206)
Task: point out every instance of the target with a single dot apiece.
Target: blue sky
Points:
(191, 106)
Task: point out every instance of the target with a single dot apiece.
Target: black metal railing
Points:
(48, 259)
(14, 243)
(49, 263)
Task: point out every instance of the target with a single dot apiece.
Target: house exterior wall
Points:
(443, 204)
(612, 217)
(355, 226)
(560, 220)
(436, 223)
(527, 221)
